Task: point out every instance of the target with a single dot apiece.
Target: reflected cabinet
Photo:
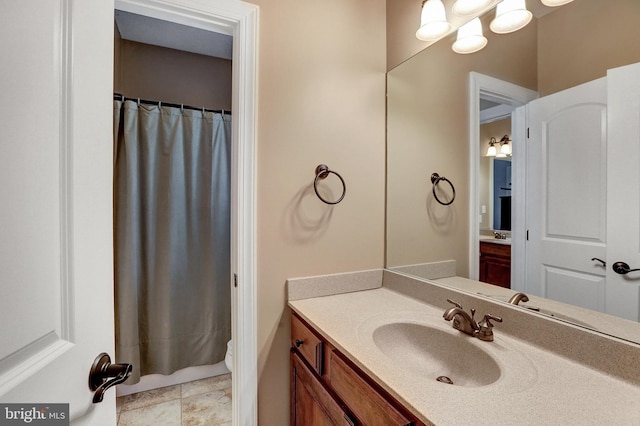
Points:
(495, 264)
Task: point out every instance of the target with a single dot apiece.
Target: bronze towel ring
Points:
(435, 180)
(322, 171)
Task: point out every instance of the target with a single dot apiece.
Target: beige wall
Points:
(321, 100)
(582, 40)
(427, 131)
(161, 74)
(497, 129)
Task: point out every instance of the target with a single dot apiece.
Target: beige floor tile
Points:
(150, 397)
(165, 414)
(210, 409)
(209, 384)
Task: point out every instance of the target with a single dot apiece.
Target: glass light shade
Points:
(501, 155)
(505, 148)
(492, 151)
(433, 21)
(470, 38)
(511, 15)
(471, 7)
(554, 3)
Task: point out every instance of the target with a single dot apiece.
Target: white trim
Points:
(504, 93)
(240, 20)
(519, 201)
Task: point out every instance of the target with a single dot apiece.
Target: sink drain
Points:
(445, 379)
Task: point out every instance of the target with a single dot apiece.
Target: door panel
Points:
(56, 279)
(576, 288)
(566, 195)
(575, 184)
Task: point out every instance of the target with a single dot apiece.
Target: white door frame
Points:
(239, 20)
(516, 96)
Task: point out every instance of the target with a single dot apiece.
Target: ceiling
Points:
(143, 29)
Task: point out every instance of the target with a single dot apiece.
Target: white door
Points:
(623, 194)
(567, 195)
(56, 268)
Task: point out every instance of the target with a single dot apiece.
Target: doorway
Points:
(238, 20)
(507, 99)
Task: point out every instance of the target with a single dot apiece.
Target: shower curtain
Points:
(172, 237)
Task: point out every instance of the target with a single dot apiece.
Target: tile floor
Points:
(201, 402)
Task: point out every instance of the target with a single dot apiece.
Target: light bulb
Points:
(511, 15)
(470, 38)
(554, 3)
(433, 21)
(470, 7)
(505, 148)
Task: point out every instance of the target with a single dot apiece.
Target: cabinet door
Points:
(311, 402)
(495, 264)
(367, 404)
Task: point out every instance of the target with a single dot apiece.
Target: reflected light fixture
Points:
(433, 21)
(554, 3)
(505, 146)
(470, 38)
(492, 151)
(511, 15)
(471, 7)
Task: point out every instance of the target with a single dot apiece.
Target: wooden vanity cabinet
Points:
(328, 389)
(495, 264)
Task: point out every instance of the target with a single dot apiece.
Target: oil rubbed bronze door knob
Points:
(622, 268)
(104, 374)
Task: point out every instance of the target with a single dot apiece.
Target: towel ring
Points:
(322, 171)
(435, 180)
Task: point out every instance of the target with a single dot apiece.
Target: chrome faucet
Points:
(467, 324)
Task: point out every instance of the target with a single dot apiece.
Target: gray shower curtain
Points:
(172, 237)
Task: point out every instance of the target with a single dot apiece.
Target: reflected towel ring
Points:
(435, 180)
(322, 171)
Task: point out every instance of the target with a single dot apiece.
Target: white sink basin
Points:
(432, 353)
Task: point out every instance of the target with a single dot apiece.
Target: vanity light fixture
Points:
(492, 151)
(505, 146)
(511, 15)
(470, 38)
(554, 3)
(433, 21)
(471, 7)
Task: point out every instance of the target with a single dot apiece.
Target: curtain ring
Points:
(322, 172)
(435, 180)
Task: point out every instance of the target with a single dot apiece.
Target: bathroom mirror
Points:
(428, 123)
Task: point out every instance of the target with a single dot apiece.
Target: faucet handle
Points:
(454, 303)
(485, 328)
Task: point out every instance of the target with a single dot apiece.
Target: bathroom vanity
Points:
(495, 262)
(327, 388)
(374, 348)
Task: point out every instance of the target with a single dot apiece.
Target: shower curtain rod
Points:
(119, 97)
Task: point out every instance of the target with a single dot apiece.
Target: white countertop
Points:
(494, 240)
(536, 387)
